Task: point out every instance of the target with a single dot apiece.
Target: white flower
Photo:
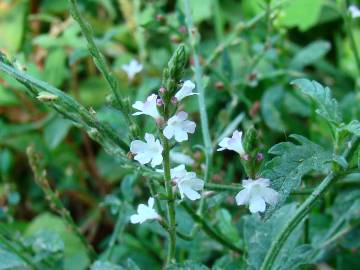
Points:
(147, 151)
(186, 90)
(234, 143)
(354, 11)
(179, 127)
(132, 68)
(256, 193)
(181, 158)
(148, 107)
(187, 182)
(145, 212)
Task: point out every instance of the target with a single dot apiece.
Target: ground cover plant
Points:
(179, 134)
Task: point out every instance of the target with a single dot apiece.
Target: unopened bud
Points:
(245, 157)
(174, 100)
(160, 18)
(175, 39)
(259, 156)
(159, 102)
(130, 155)
(162, 90)
(219, 85)
(182, 29)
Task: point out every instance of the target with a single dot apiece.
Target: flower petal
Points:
(242, 197)
(256, 204)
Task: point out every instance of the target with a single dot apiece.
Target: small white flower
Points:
(257, 193)
(181, 158)
(132, 68)
(354, 11)
(179, 127)
(145, 212)
(148, 107)
(234, 143)
(147, 151)
(186, 90)
(187, 182)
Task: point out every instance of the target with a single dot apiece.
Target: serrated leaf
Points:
(310, 54)
(292, 161)
(327, 106)
(353, 127)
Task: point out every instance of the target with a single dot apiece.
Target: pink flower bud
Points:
(174, 100)
(162, 90)
(159, 102)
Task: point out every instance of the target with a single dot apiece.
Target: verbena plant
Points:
(184, 206)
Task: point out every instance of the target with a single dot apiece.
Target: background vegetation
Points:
(249, 50)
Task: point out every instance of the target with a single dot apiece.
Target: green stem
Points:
(302, 211)
(170, 201)
(119, 227)
(209, 230)
(201, 97)
(99, 59)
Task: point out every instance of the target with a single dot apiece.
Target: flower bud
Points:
(174, 100)
(259, 156)
(182, 29)
(162, 90)
(159, 102)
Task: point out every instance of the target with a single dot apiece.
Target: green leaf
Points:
(10, 261)
(55, 67)
(327, 106)
(12, 24)
(46, 240)
(294, 16)
(271, 102)
(201, 10)
(300, 255)
(310, 54)
(292, 162)
(226, 226)
(75, 253)
(259, 235)
(188, 265)
(102, 265)
(56, 131)
(353, 127)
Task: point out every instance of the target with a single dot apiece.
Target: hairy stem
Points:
(170, 201)
(303, 210)
(194, 44)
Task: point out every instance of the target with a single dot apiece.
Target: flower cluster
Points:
(255, 193)
(151, 151)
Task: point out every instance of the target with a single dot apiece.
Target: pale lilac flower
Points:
(257, 193)
(148, 107)
(186, 90)
(354, 11)
(234, 143)
(179, 127)
(145, 212)
(147, 151)
(187, 182)
(132, 68)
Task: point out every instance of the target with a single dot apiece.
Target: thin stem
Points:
(210, 231)
(99, 59)
(303, 210)
(194, 44)
(54, 200)
(119, 227)
(170, 201)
